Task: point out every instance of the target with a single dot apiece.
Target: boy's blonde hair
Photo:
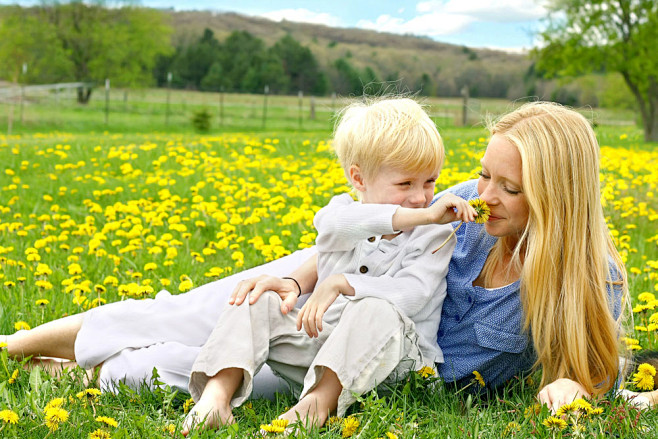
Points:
(566, 253)
(394, 132)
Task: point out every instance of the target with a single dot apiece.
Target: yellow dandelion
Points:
(554, 423)
(276, 426)
(187, 405)
(482, 209)
(567, 409)
(426, 372)
(169, 428)
(533, 410)
(595, 411)
(512, 428)
(54, 403)
(99, 434)
(21, 325)
(55, 416)
(91, 393)
(13, 377)
(390, 435)
(42, 302)
(483, 212)
(9, 416)
(107, 420)
(350, 425)
(644, 378)
(334, 420)
(477, 376)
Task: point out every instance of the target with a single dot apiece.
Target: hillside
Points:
(448, 67)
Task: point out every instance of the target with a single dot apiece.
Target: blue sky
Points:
(506, 24)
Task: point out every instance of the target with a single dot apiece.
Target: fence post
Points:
(333, 103)
(312, 115)
(300, 95)
(221, 106)
(266, 90)
(168, 98)
(464, 93)
(24, 70)
(107, 100)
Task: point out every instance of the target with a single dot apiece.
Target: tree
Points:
(86, 42)
(300, 66)
(607, 35)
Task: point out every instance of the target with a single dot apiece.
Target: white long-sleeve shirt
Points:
(402, 270)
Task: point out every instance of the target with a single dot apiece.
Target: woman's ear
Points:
(356, 177)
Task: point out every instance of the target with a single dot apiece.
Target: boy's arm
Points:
(343, 222)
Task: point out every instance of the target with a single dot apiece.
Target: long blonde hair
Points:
(564, 253)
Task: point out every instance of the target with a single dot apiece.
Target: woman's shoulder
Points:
(466, 190)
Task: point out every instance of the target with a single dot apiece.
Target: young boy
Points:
(375, 252)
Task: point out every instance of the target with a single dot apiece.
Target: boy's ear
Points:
(356, 177)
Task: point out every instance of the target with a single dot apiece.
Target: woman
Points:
(539, 284)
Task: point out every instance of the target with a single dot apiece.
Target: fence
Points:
(55, 107)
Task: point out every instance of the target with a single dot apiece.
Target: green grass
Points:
(104, 201)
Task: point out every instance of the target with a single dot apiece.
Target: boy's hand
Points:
(286, 288)
(443, 210)
(310, 316)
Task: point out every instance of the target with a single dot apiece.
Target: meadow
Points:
(89, 217)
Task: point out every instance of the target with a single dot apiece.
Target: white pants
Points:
(131, 337)
(371, 342)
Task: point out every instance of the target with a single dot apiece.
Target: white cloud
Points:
(495, 11)
(304, 16)
(432, 24)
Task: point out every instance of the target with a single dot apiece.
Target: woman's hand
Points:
(310, 316)
(287, 289)
(560, 392)
(443, 210)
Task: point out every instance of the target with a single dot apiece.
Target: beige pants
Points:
(371, 343)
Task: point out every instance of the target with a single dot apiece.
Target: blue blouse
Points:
(482, 329)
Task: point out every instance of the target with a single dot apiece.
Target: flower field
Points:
(90, 219)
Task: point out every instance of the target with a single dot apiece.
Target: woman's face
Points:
(500, 187)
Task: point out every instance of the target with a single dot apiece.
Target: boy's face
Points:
(394, 186)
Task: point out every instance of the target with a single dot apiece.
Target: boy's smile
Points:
(394, 186)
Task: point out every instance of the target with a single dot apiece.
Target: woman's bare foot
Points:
(207, 414)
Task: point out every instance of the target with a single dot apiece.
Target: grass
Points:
(96, 207)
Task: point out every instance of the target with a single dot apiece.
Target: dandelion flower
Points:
(390, 435)
(91, 393)
(13, 377)
(188, 404)
(99, 434)
(554, 423)
(9, 416)
(54, 403)
(483, 212)
(477, 376)
(107, 420)
(644, 378)
(350, 424)
(482, 209)
(55, 416)
(426, 372)
(277, 426)
(21, 325)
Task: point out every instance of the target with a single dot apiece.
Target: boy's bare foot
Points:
(310, 412)
(207, 414)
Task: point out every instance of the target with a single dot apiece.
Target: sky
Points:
(499, 24)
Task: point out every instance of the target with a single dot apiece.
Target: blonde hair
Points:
(563, 255)
(394, 132)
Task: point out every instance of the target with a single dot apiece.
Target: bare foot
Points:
(207, 414)
(309, 412)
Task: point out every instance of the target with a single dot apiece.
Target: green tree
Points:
(607, 35)
(26, 40)
(301, 66)
(85, 42)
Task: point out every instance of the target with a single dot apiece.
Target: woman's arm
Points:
(306, 276)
